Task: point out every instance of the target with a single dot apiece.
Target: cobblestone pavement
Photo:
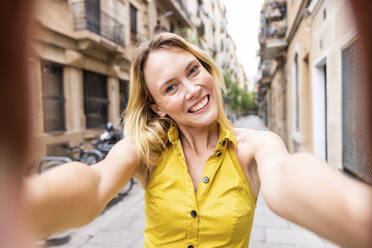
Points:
(122, 225)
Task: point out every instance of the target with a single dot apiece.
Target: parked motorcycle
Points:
(107, 139)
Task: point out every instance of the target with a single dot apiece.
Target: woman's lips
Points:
(199, 106)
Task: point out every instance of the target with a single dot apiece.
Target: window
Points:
(355, 153)
(124, 95)
(297, 94)
(95, 99)
(53, 96)
(324, 14)
(133, 19)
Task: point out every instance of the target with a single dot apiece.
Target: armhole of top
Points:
(149, 172)
(241, 173)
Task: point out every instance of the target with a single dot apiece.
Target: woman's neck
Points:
(199, 139)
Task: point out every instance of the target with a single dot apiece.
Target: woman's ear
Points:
(157, 110)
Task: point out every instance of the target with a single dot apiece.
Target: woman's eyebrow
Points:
(171, 79)
(190, 63)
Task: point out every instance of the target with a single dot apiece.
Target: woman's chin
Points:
(205, 119)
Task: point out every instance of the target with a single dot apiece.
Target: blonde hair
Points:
(141, 123)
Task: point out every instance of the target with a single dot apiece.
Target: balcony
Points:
(273, 48)
(180, 10)
(88, 17)
(273, 29)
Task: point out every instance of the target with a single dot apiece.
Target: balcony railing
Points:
(89, 17)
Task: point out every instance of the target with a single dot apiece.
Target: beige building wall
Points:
(277, 117)
(333, 30)
(56, 40)
(318, 32)
(293, 9)
(300, 139)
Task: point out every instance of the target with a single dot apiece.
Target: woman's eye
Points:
(169, 88)
(194, 69)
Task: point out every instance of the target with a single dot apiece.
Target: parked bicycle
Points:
(86, 156)
(50, 162)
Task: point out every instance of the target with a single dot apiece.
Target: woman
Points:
(201, 175)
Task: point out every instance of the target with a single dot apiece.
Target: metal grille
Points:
(53, 97)
(95, 99)
(354, 130)
(88, 16)
(124, 96)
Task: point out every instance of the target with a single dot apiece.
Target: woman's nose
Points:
(192, 90)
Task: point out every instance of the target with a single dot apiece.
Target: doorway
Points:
(320, 109)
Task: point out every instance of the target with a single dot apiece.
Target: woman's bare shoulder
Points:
(253, 139)
(246, 135)
(246, 140)
(125, 148)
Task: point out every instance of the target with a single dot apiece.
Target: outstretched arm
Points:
(74, 194)
(303, 189)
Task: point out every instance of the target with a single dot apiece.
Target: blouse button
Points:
(219, 153)
(206, 179)
(223, 143)
(193, 214)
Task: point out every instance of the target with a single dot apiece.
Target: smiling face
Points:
(181, 87)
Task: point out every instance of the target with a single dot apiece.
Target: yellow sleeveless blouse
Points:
(219, 214)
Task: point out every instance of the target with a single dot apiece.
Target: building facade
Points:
(81, 59)
(215, 39)
(335, 64)
(82, 53)
(313, 72)
(299, 52)
(272, 78)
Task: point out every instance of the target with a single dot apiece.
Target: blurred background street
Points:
(289, 66)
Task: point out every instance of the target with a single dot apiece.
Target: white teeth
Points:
(200, 105)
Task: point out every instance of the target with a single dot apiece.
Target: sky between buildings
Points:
(243, 18)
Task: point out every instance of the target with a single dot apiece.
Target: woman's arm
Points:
(303, 189)
(74, 194)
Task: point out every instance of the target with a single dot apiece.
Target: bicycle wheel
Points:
(128, 187)
(89, 160)
(50, 165)
(91, 157)
(50, 162)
